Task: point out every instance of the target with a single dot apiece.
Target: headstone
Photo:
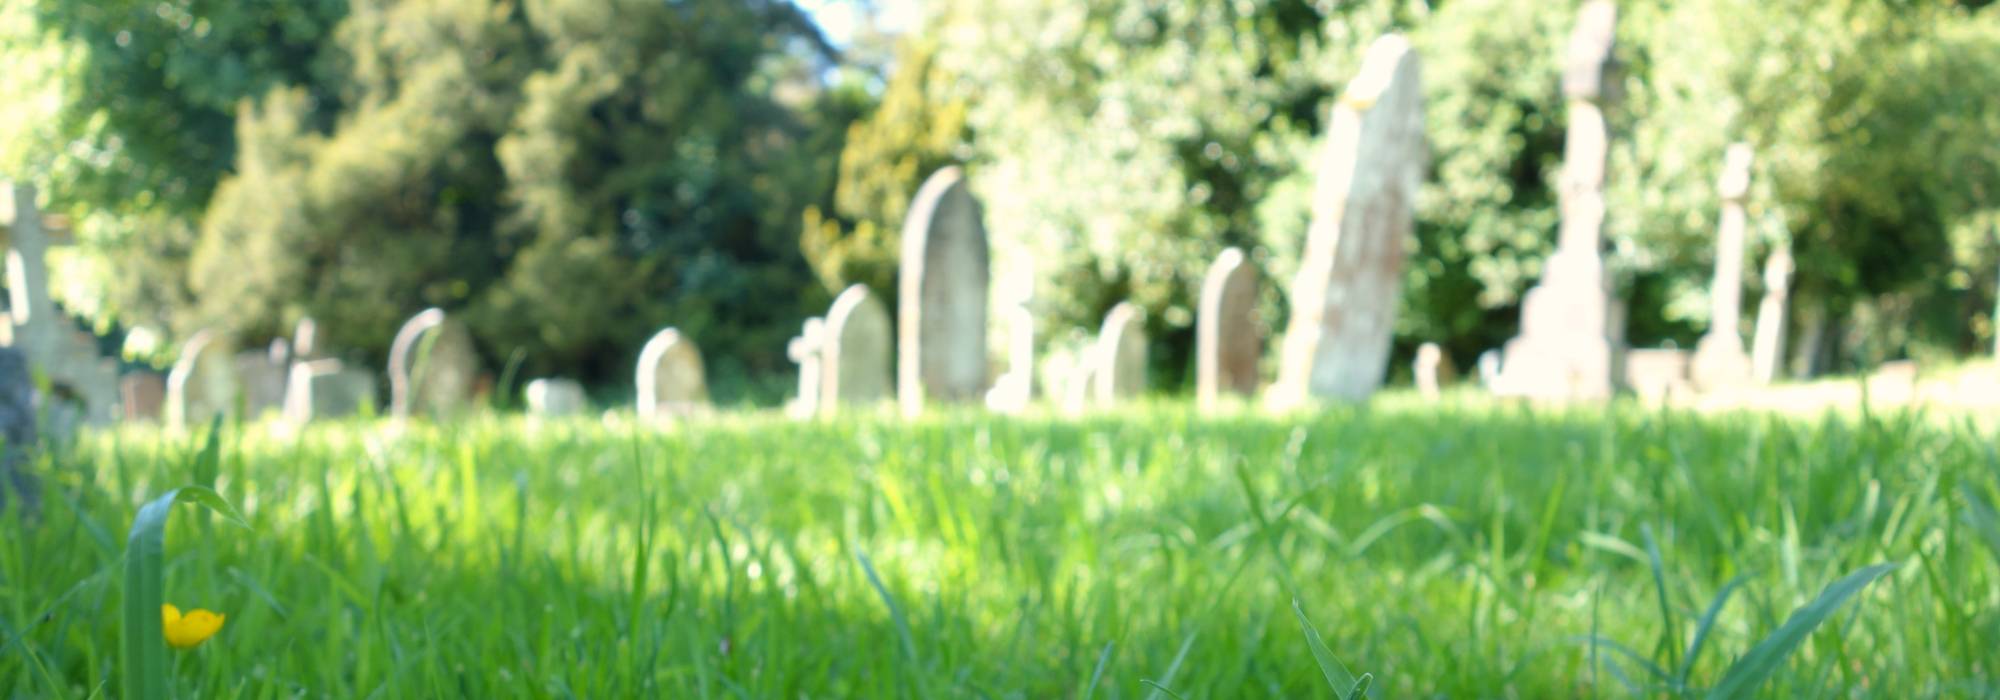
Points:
(808, 350)
(203, 382)
(17, 429)
(551, 398)
(941, 315)
(1657, 374)
(1720, 360)
(671, 380)
(1893, 382)
(63, 354)
(305, 340)
(1228, 339)
(1767, 350)
(1489, 368)
(433, 366)
(261, 378)
(854, 362)
(1434, 370)
(1349, 280)
(142, 395)
(1571, 331)
(324, 389)
(1118, 360)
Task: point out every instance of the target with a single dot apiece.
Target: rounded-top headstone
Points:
(941, 330)
(671, 380)
(855, 368)
(203, 381)
(1119, 357)
(1228, 340)
(432, 366)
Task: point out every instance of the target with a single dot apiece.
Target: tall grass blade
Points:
(1337, 675)
(895, 611)
(1096, 675)
(145, 648)
(1750, 672)
(1702, 628)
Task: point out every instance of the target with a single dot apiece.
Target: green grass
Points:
(1461, 550)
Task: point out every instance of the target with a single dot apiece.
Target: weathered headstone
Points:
(1571, 331)
(261, 377)
(1433, 370)
(323, 389)
(1767, 350)
(1657, 374)
(1719, 358)
(555, 397)
(432, 366)
(18, 436)
(854, 362)
(1118, 360)
(142, 395)
(808, 351)
(941, 315)
(1489, 369)
(1228, 339)
(1349, 280)
(202, 383)
(63, 353)
(671, 380)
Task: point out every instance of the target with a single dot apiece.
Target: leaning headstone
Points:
(671, 379)
(325, 389)
(941, 314)
(141, 396)
(1433, 370)
(808, 350)
(1720, 360)
(854, 362)
(1344, 297)
(17, 427)
(1118, 360)
(203, 383)
(54, 346)
(432, 366)
(1571, 333)
(552, 398)
(1228, 341)
(1767, 349)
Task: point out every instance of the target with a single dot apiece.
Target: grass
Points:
(1459, 550)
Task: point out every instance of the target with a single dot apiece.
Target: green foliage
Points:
(1462, 549)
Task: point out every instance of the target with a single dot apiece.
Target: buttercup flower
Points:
(190, 630)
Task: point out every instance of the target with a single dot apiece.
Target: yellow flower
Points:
(188, 632)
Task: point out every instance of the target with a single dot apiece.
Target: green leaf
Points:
(145, 649)
(1750, 672)
(1336, 674)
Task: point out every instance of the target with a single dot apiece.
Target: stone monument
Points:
(1720, 361)
(854, 357)
(1229, 339)
(671, 379)
(941, 315)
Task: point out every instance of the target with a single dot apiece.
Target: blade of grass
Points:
(1337, 675)
(145, 647)
(1750, 672)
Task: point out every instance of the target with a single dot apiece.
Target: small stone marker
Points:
(202, 384)
(1489, 368)
(142, 395)
(1118, 360)
(432, 366)
(671, 379)
(1767, 350)
(1433, 370)
(1350, 278)
(1228, 337)
(808, 351)
(854, 362)
(325, 389)
(1719, 358)
(1571, 331)
(941, 315)
(1658, 375)
(555, 397)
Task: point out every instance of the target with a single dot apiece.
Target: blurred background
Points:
(569, 176)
